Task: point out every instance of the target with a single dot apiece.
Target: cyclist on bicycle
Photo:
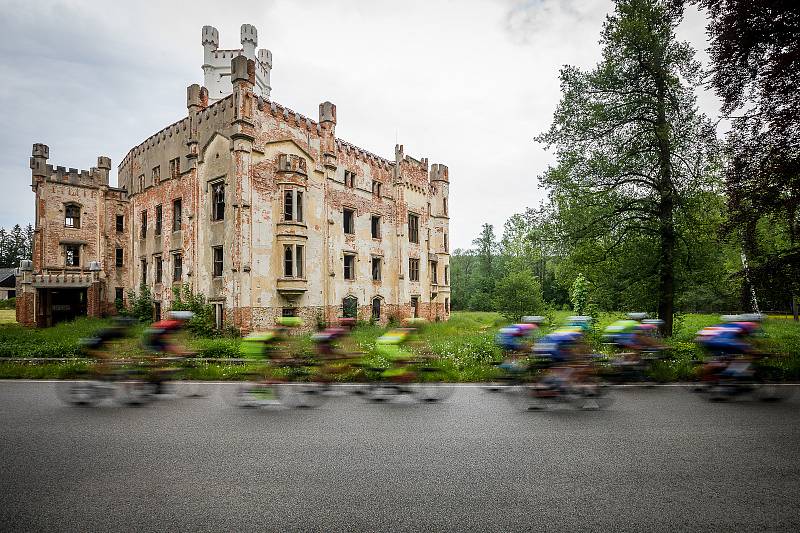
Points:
(160, 340)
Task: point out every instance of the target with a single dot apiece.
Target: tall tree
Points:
(632, 148)
(755, 50)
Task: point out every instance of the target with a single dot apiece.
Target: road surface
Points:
(661, 459)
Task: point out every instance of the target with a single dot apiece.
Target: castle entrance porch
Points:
(60, 305)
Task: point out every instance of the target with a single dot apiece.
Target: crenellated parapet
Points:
(41, 171)
(217, 62)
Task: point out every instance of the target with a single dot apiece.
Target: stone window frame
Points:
(218, 307)
(379, 300)
(294, 258)
(217, 265)
(143, 269)
(119, 294)
(177, 214)
(158, 264)
(175, 167)
(354, 214)
(288, 312)
(349, 298)
(155, 175)
(159, 220)
(413, 269)
(373, 264)
(446, 274)
(119, 223)
(177, 266)
(295, 204)
(413, 231)
(71, 220)
(217, 212)
(376, 188)
(354, 257)
(444, 206)
(143, 224)
(433, 273)
(72, 260)
(349, 179)
(414, 303)
(141, 183)
(119, 257)
(372, 227)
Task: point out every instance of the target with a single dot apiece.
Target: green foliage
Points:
(579, 294)
(518, 294)
(141, 306)
(15, 245)
(202, 323)
(9, 303)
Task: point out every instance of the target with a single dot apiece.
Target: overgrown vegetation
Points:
(464, 346)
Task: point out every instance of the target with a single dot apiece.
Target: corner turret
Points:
(217, 63)
(249, 40)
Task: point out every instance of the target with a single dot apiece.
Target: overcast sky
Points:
(465, 83)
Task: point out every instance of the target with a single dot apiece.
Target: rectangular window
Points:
(434, 276)
(175, 167)
(158, 219)
(141, 183)
(447, 274)
(119, 257)
(293, 205)
(376, 188)
(298, 260)
(177, 214)
(376, 268)
(218, 201)
(156, 311)
(217, 258)
(444, 206)
(349, 266)
(219, 314)
(375, 226)
(288, 261)
(376, 308)
(413, 269)
(413, 228)
(414, 307)
(119, 294)
(143, 232)
(446, 244)
(288, 311)
(73, 255)
(72, 216)
(156, 174)
(120, 223)
(159, 264)
(177, 266)
(447, 305)
(349, 179)
(348, 220)
(143, 266)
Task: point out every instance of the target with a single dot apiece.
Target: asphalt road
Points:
(660, 459)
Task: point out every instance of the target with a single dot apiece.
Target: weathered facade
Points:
(263, 210)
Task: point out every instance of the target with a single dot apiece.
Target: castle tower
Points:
(217, 63)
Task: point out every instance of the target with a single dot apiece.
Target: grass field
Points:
(464, 344)
(8, 316)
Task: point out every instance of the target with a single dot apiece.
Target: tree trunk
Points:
(666, 208)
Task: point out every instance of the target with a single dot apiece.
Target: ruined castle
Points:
(261, 209)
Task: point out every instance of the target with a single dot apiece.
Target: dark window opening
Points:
(217, 256)
(175, 167)
(143, 266)
(156, 174)
(299, 261)
(159, 264)
(177, 267)
(288, 261)
(218, 201)
(156, 311)
(119, 295)
(447, 274)
(376, 227)
(158, 219)
(177, 214)
(288, 311)
(413, 228)
(73, 255)
(349, 179)
(434, 277)
(143, 232)
(413, 269)
(293, 205)
(349, 267)
(376, 188)
(348, 220)
(120, 257)
(72, 216)
(120, 223)
(376, 269)
(414, 307)
(376, 308)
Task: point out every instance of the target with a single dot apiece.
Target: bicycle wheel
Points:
(82, 393)
(253, 394)
(303, 395)
(133, 390)
(528, 397)
(432, 392)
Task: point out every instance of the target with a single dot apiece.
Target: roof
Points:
(6, 273)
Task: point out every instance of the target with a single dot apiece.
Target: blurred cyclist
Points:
(160, 340)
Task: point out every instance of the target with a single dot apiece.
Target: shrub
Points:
(579, 294)
(202, 323)
(141, 305)
(518, 294)
(10, 303)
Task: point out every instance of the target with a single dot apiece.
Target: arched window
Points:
(350, 307)
(72, 216)
(376, 308)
